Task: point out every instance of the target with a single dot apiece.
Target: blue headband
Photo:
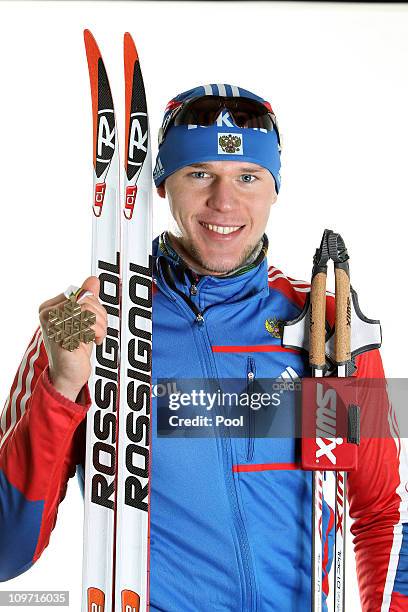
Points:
(185, 145)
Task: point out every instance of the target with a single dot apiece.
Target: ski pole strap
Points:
(342, 341)
(337, 250)
(353, 434)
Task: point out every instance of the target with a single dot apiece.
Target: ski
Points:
(100, 463)
(132, 531)
(116, 518)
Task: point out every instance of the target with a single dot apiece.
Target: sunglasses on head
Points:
(205, 110)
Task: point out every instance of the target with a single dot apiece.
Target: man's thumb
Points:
(91, 284)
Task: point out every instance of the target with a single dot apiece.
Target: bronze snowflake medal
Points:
(68, 325)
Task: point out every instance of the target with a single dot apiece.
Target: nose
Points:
(222, 196)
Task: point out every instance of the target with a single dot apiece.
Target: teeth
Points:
(221, 230)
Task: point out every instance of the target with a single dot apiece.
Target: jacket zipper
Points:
(250, 604)
(251, 372)
(200, 332)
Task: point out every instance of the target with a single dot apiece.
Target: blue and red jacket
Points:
(230, 517)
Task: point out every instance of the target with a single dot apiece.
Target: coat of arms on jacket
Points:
(274, 327)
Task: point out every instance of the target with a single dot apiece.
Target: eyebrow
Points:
(244, 169)
(252, 170)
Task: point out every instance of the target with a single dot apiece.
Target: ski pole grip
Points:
(317, 336)
(342, 339)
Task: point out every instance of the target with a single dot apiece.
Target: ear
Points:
(161, 190)
(275, 193)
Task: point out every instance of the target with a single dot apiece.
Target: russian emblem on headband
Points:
(230, 143)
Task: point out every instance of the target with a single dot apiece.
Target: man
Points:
(230, 517)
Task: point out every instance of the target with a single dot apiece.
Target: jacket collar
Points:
(172, 274)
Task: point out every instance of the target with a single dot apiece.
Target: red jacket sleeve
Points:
(40, 444)
(378, 498)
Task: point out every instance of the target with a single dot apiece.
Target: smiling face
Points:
(221, 209)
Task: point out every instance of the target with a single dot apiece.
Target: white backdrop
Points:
(337, 77)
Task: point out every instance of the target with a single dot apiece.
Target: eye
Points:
(248, 178)
(199, 174)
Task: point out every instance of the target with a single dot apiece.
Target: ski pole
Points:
(332, 247)
(317, 362)
(342, 357)
(353, 334)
